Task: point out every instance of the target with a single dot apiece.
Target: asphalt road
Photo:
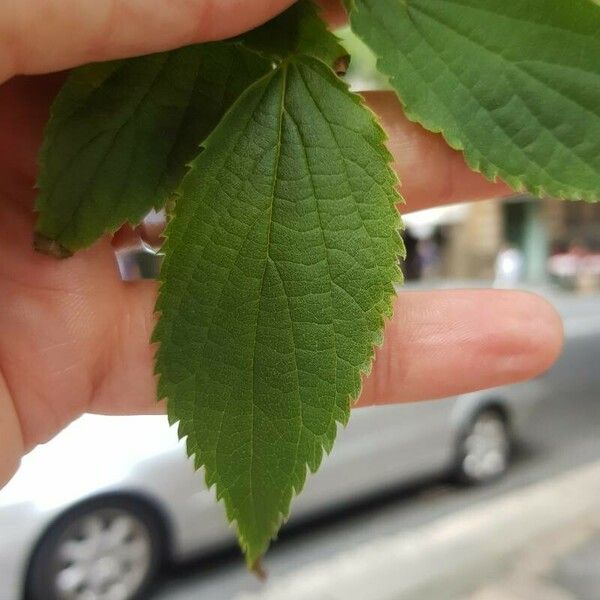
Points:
(565, 434)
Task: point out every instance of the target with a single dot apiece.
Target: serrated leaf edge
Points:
(518, 184)
(57, 249)
(387, 311)
(41, 180)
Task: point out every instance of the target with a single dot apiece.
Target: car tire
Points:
(483, 449)
(111, 545)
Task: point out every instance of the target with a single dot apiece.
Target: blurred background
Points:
(487, 496)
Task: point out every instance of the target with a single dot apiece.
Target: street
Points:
(562, 436)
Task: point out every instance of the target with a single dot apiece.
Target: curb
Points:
(449, 556)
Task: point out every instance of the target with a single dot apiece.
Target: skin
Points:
(74, 338)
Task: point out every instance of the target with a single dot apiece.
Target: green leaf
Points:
(121, 133)
(513, 83)
(298, 30)
(277, 278)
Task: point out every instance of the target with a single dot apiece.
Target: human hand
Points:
(75, 338)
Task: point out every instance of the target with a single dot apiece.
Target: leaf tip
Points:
(45, 245)
(258, 569)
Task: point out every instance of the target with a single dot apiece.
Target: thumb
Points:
(41, 37)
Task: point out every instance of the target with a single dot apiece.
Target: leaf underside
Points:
(513, 83)
(277, 278)
(121, 133)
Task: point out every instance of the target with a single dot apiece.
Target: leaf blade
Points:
(275, 287)
(515, 85)
(121, 133)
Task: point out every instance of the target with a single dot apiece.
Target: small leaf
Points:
(121, 133)
(298, 30)
(277, 278)
(513, 83)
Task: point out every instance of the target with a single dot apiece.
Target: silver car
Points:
(93, 514)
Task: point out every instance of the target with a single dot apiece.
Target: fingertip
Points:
(513, 336)
(540, 341)
(444, 343)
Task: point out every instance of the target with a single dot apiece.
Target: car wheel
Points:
(484, 449)
(107, 549)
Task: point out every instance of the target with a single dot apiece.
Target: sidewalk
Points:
(564, 565)
(532, 542)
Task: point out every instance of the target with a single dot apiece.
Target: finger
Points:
(438, 344)
(445, 343)
(431, 173)
(41, 37)
(57, 34)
